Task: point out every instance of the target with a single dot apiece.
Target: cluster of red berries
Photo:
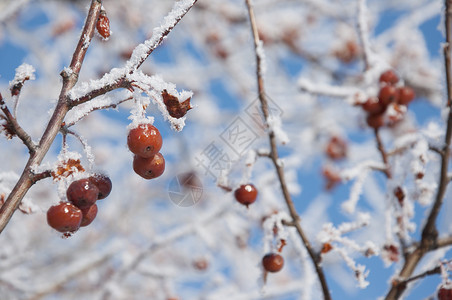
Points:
(82, 194)
(398, 97)
(145, 143)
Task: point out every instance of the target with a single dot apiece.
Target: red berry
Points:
(336, 148)
(144, 140)
(373, 106)
(389, 77)
(387, 95)
(273, 262)
(64, 217)
(82, 193)
(375, 121)
(444, 293)
(103, 183)
(88, 215)
(103, 25)
(246, 194)
(406, 95)
(150, 167)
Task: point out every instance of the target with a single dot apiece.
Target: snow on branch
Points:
(157, 89)
(332, 237)
(329, 90)
(142, 51)
(359, 172)
(24, 72)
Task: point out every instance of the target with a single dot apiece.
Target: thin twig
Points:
(364, 33)
(112, 105)
(383, 153)
(16, 128)
(275, 157)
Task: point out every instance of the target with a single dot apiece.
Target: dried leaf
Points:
(175, 108)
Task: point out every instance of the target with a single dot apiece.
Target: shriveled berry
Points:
(144, 140)
(373, 106)
(64, 217)
(103, 25)
(273, 262)
(336, 148)
(82, 193)
(389, 77)
(103, 183)
(246, 194)
(150, 167)
(444, 293)
(388, 94)
(88, 215)
(375, 121)
(405, 95)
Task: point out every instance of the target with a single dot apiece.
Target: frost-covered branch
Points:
(13, 127)
(70, 77)
(429, 237)
(142, 52)
(275, 156)
(363, 30)
(328, 90)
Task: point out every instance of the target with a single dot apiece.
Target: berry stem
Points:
(384, 155)
(274, 156)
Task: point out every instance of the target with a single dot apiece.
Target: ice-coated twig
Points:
(347, 92)
(97, 104)
(15, 127)
(363, 31)
(359, 270)
(86, 148)
(274, 156)
(141, 53)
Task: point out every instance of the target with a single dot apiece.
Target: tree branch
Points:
(16, 128)
(430, 233)
(70, 78)
(275, 156)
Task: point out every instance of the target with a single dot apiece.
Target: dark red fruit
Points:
(246, 194)
(82, 193)
(375, 121)
(144, 140)
(444, 293)
(103, 25)
(103, 183)
(388, 94)
(406, 95)
(389, 77)
(373, 106)
(88, 215)
(64, 217)
(336, 148)
(149, 168)
(273, 262)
